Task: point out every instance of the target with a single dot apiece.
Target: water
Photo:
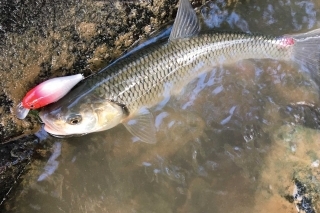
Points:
(242, 138)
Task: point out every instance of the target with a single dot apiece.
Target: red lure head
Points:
(34, 100)
(49, 91)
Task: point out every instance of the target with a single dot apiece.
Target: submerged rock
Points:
(291, 172)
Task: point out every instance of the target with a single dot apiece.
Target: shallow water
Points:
(234, 140)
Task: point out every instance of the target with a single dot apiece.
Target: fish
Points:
(46, 93)
(123, 92)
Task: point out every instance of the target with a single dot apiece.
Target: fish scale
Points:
(141, 79)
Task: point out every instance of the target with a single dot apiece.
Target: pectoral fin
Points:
(142, 126)
(186, 23)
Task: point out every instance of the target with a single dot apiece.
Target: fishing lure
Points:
(46, 93)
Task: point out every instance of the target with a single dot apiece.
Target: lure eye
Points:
(74, 119)
(32, 106)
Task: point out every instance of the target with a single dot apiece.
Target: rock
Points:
(14, 158)
(44, 39)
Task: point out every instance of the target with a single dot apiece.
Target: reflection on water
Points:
(238, 139)
(52, 163)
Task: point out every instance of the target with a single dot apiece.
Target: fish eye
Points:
(74, 119)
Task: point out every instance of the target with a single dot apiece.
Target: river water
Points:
(241, 138)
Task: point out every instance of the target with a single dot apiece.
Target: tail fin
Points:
(306, 52)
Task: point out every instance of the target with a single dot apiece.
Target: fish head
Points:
(81, 115)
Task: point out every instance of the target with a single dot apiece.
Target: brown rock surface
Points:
(43, 39)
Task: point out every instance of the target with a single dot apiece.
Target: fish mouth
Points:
(58, 134)
(49, 128)
(52, 131)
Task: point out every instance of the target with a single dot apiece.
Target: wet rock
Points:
(291, 171)
(14, 158)
(302, 198)
(44, 39)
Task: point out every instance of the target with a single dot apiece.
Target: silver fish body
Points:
(141, 79)
(123, 91)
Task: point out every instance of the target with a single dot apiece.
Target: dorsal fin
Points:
(186, 23)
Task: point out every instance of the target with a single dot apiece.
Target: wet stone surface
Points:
(15, 156)
(259, 167)
(43, 39)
